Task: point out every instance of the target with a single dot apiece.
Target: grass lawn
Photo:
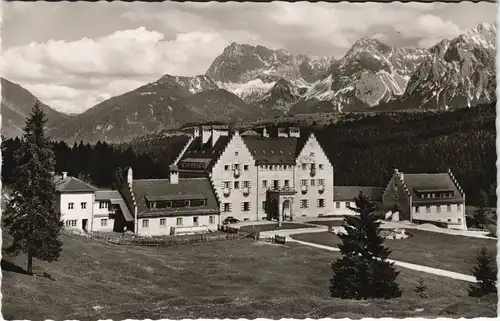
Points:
(328, 223)
(234, 279)
(449, 252)
(272, 227)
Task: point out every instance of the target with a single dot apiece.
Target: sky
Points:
(75, 55)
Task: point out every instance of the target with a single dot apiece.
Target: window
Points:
(449, 220)
(304, 203)
(236, 153)
(264, 205)
(194, 203)
(246, 184)
(321, 202)
(245, 167)
(264, 183)
(311, 154)
(178, 221)
(211, 219)
(163, 222)
(303, 182)
(195, 220)
(71, 206)
(152, 205)
(347, 204)
(83, 205)
(287, 183)
(321, 182)
(236, 185)
(337, 204)
(104, 222)
(145, 223)
(320, 166)
(428, 209)
(246, 219)
(226, 207)
(226, 184)
(103, 204)
(246, 206)
(313, 182)
(459, 207)
(304, 167)
(70, 223)
(276, 184)
(438, 208)
(417, 209)
(459, 220)
(226, 167)
(448, 208)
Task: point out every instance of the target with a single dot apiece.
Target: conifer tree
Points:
(486, 274)
(31, 216)
(480, 216)
(363, 271)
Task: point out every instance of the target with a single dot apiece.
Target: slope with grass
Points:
(238, 279)
(448, 252)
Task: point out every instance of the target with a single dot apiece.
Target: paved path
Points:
(435, 229)
(411, 266)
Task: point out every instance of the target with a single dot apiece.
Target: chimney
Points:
(174, 174)
(205, 134)
(64, 175)
(130, 176)
(196, 131)
(218, 131)
(294, 132)
(265, 133)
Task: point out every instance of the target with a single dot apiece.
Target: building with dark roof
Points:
(426, 198)
(247, 169)
(344, 197)
(172, 206)
(75, 200)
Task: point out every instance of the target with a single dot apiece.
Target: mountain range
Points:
(246, 83)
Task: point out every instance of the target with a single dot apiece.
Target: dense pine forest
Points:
(364, 150)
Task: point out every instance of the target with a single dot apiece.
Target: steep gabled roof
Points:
(275, 150)
(431, 182)
(205, 154)
(162, 189)
(72, 185)
(349, 193)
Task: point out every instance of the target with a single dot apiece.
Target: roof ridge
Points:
(72, 177)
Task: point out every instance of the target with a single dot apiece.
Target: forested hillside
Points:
(364, 148)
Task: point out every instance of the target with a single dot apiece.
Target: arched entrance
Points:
(287, 209)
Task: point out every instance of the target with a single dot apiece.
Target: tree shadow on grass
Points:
(11, 267)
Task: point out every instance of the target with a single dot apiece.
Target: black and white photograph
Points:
(244, 160)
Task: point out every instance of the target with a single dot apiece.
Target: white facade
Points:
(269, 176)
(156, 226)
(102, 220)
(313, 181)
(234, 178)
(77, 210)
(451, 215)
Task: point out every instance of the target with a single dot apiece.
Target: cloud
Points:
(112, 64)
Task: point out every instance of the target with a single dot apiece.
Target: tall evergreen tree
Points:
(363, 271)
(119, 178)
(485, 272)
(31, 216)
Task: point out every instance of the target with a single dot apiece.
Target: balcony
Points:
(303, 189)
(313, 171)
(236, 172)
(246, 191)
(321, 189)
(226, 191)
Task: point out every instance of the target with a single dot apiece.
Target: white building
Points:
(75, 200)
(251, 171)
(171, 206)
(111, 214)
(435, 198)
